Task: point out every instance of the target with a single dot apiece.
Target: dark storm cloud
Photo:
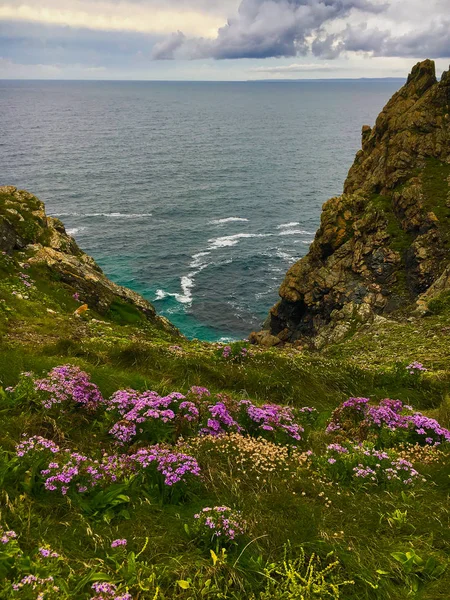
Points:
(266, 28)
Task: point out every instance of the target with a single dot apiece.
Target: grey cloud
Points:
(267, 28)
(326, 46)
(432, 42)
(165, 50)
(352, 39)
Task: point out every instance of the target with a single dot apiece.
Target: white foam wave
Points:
(226, 220)
(295, 232)
(232, 240)
(284, 225)
(261, 295)
(75, 230)
(286, 256)
(187, 283)
(197, 260)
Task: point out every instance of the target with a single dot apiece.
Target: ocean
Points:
(199, 196)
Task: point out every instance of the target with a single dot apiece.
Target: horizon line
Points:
(268, 79)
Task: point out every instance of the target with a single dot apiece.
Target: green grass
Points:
(334, 522)
(309, 512)
(123, 313)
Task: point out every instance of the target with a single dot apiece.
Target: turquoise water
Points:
(197, 195)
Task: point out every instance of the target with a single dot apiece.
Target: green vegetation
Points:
(310, 529)
(123, 313)
(399, 239)
(26, 224)
(440, 304)
(436, 187)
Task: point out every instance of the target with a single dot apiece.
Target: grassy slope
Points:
(352, 524)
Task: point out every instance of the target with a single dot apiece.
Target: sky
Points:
(220, 39)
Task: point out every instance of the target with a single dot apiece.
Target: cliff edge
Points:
(43, 241)
(383, 246)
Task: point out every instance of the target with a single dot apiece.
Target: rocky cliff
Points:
(384, 245)
(25, 227)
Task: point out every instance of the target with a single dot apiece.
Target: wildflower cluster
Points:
(24, 389)
(41, 584)
(390, 422)
(7, 536)
(149, 416)
(108, 591)
(415, 367)
(227, 352)
(44, 574)
(68, 383)
(79, 472)
(219, 522)
(25, 285)
(307, 415)
(137, 409)
(235, 353)
(175, 467)
(270, 418)
(47, 553)
(364, 463)
(246, 458)
(72, 471)
(416, 453)
(26, 280)
(37, 443)
(199, 391)
(425, 429)
(220, 421)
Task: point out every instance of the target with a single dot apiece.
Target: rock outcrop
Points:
(24, 226)
(386, 241)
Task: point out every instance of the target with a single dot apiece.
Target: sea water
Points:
(199, 196)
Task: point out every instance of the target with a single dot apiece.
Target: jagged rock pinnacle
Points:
(386, 240)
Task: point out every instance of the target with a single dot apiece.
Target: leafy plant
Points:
(106, 504)
(418, 570)
(302, 578)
